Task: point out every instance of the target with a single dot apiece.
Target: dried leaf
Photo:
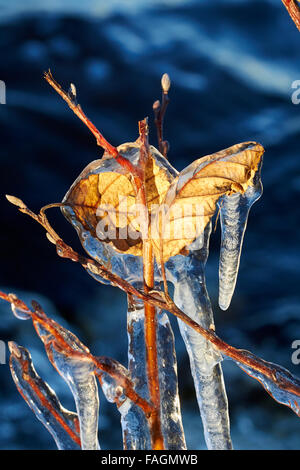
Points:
(105, 193)
(191, 199)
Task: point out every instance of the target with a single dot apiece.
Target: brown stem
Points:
(151, 348)
(150, 311)
(293, 9)
(159, 114)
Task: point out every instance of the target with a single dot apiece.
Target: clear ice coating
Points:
(234, 211)
(62, 424)
(282, 386)
(171, 421)
(136, 435)
(78, 372)
(190, 295)
(17, 309)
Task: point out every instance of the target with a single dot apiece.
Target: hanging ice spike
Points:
(234, 211)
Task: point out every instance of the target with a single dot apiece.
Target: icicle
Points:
(78, 372)
(136, 435)
(62, 424)
(234, 211)
(171, 420)
(190, 295)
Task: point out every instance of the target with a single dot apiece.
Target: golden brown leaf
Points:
(191, 200)
(105, 192)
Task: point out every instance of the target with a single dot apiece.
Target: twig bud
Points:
(16, 201)
(72, 92)
(156, 106)
(165, 83)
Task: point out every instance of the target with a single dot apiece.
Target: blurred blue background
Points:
(232, 64)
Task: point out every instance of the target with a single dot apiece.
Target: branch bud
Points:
(165, 83)
(16, 201)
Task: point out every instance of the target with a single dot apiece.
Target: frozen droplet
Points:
(17, 309)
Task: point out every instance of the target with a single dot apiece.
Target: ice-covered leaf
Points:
(191, 200)
(104, 200)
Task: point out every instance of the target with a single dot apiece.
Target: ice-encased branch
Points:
(293, 9)
(62, 424)
(78, 373)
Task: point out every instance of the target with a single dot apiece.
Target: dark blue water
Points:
(232, 64)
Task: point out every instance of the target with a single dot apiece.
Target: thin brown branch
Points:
(293, 9)
(159, 110)
(101, 141)
(150, 324)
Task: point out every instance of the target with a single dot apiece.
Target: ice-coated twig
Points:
(190, 294)
(62, 424)
(78, 373)
(234, 211)
(282, 386)
(293, 9)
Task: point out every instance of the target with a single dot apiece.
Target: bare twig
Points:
(101, 141)
(159, 110)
